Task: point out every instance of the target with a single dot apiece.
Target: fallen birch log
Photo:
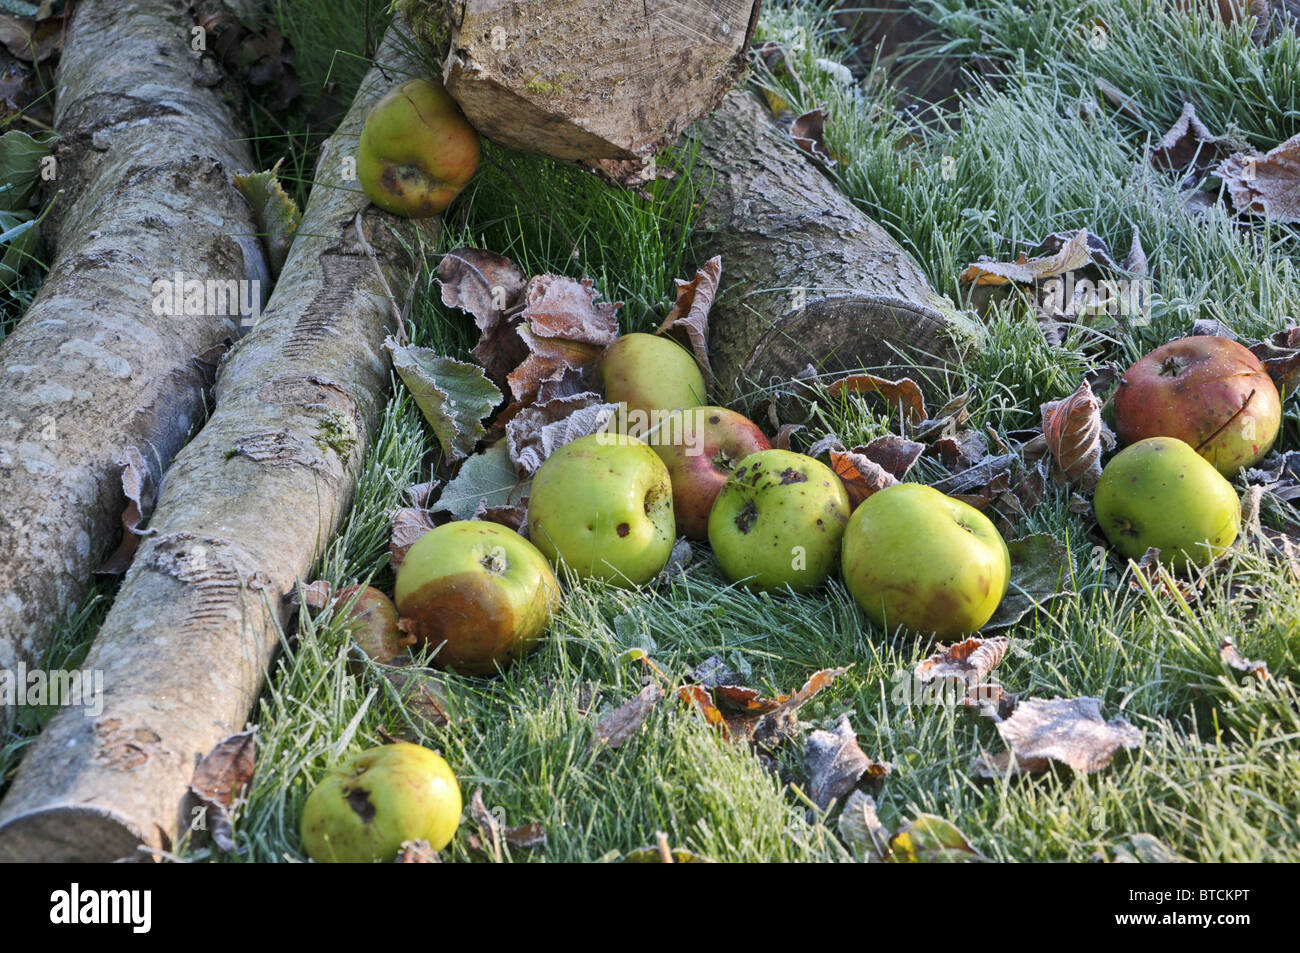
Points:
(807, 277)
(144, 164)
(244, 512)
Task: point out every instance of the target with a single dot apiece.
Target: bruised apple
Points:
(374, 624)
(416, 151)
(478, 592)
(1209, 392)
(778, 521)
(366, 808)
(701, 447)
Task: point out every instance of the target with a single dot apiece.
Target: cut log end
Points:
(70, 833)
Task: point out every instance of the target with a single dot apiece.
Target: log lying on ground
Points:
(604, 84)
(807, 277)
(144, 165)
(243, 513)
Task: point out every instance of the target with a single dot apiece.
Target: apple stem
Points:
(1224, 426)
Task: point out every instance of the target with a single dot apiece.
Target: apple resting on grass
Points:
(648, 373)
(602, 506)
(916, 558)
(1160, 493)
(778, 521)
(1209, 392)
(416, 151)
(364, 809)
(706, 447)
(480, 591)
(374, 623)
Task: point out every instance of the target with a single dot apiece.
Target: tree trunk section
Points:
(807, 277)
(144, 165)
(244, 512)
(606, 84)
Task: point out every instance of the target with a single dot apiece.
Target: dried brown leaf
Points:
(836, 764)
(1267, 184)
(409, 524)
(1189, 147)
(904, 392)
(1067, 731)
(535, 432)
(489, 287)
(809, 133)
(617, 726)
(220, 781)
(969, 661)
(1232, 657)
(1074, 433)
(138, 488)
(1072, 255)
(417, 852)
(861, 477)
(688, 321)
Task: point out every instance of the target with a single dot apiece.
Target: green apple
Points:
(778, 521)
(478, 592)
(650, 373)
(416, 151)
(364, 809)
(603, 506)
(916, 558)
(1160, 493)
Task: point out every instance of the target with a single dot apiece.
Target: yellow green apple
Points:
(918, 559)
(650, 373)
(364, 809)
(1160, 493)
(478, 592)
(602, 505)
(417, 151)
(778, 521)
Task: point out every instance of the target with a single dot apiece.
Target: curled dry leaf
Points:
(1068, 731)
(276, 214)
(678, 560)
(783, 435)
(564, 328)
(1074, 253)
(1267, 184)
(1189, 147)
(1231, 657)
(138, 488)
(742, 713)
(494, 834)
(861, 476)
(219, 782)
(904, 393)
(925, 839)
(809, 134)
(617, 726)
(836, 764)
(535, 432)
(514, 516)
(970, 661)
(1074, 432)
(409, 524)
(688, 321)
(1280, 355)
(489, 287)
(454, 396)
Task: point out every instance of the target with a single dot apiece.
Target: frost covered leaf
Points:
(1189, 147)
(535, 432)
(836, 764)
(929, 839)
(514, 516)
(138, 488)
(617, 726)
(277, 215)
(1073, 254)
(417, 852)
(809, 134)
(969, 661)
(688, 321)
(742, 713)
(489, 287)
(219, 782)
(861, 828)
(489, 477)
(1040, 571)
(454, 396)
(409, 524)
(1074, 432)
(1068, 731)
(1267, 184)
(564, 328)
(1231, 657)
(861, 476)
(947, 421)
(904, 392)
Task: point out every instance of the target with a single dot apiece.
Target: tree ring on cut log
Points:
(827, 334)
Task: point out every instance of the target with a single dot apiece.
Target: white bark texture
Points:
(244, 512)
(807, 277)
(144, 162)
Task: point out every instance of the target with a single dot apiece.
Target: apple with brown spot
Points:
(701, 449)
(417, 152)
(478, 592)
(1209, 392)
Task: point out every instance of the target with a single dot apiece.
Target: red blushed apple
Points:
(700, 449)
(1209, 392)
